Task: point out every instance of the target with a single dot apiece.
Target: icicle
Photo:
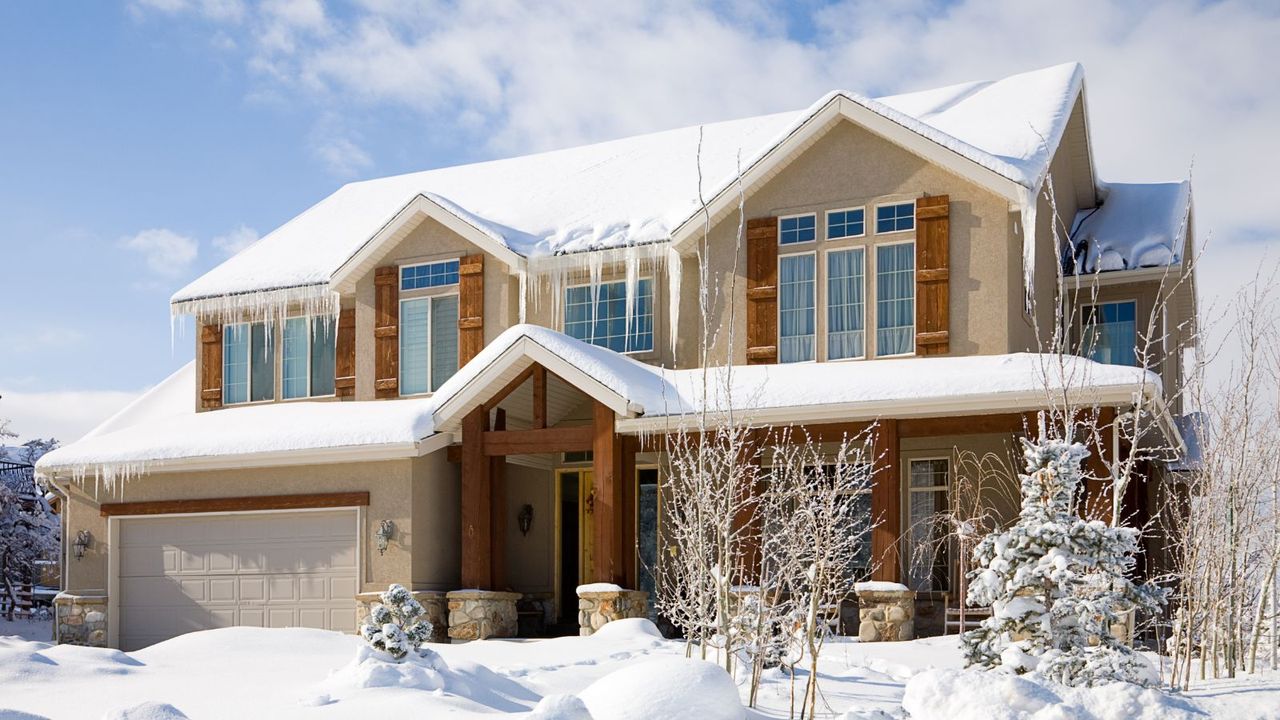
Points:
(1027, 209)
(261, 305)
(524, 295)
(633, 285)
(675, 268)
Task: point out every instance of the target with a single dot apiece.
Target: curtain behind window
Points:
(796, 302)
(845, 303)
(895, 299)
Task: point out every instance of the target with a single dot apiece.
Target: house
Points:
(451, 379)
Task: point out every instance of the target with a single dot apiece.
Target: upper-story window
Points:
(429, 275)
(897, 217)
(248, 363)
(308, 357)
(895, 298)
(846, 303)
(428, 342)
(797, 229)
(846, 223)
(1110, 332)
(797, 304)
(600, 316)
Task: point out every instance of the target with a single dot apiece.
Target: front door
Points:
(576, 538)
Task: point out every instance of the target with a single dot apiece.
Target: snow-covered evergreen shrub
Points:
(1057, 582)
(398, 625)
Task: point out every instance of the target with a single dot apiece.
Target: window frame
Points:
(914, 299)
(826, 228)
(826, 303)
(653, 294)
(906, 511)
(817, 288)
(1099, 303)
(423, 263)
(430, 299)
(310, 321)
(894, 203)
(269, 332)
(813, 214)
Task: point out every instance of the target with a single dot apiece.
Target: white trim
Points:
(875, 315)
(811, 213)
(114, 550)
(653, 301)
(894, 203)
(816, 288)
(826, 228)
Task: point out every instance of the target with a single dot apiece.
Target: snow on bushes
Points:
(397, 625)
(672, 688)
(1056, 583)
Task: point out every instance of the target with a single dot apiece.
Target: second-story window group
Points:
(823, 310)
(306, 359)
(598, 315)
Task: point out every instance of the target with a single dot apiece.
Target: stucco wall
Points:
(530, 558)
(437, 522)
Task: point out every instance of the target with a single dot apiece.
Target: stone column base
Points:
(80, 619)
(480, 614)
(598, 604)
(433, 601)
(886, 612)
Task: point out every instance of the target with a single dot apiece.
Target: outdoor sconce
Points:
(82, 543)
(525, 519)
(382, 537)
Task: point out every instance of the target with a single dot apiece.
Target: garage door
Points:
(181, 574)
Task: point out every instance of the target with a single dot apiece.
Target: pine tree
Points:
(397, 625)
(1057, 582)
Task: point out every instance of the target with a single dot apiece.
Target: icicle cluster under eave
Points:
(260, 305)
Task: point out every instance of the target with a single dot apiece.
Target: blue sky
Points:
(141, 140)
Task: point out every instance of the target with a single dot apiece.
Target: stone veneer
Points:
(601, 603)
(433, 601)
(480, 614)
(81, 619)
(886, 612)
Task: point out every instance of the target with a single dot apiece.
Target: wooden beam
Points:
(539, 397)
(476, 499)
(575, 438)
(886, 504)
(453, 454)
(237, 504)
(630, 550)
(607, 469)
(509, 388)
(498, 510)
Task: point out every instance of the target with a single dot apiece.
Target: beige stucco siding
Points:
(530, 559)
(437, 523)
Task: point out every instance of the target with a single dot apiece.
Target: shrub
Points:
(397, 625)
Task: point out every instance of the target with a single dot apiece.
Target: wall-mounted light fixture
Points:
(382, 536)
(82, 543)
(525, 519)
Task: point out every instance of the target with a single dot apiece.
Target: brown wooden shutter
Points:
(933, 273)
(762, 291)
(344, 364)
(470, 307)
(386, 331)
(210, 366)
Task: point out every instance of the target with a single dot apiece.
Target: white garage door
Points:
(181, 574)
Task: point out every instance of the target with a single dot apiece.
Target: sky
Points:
(144, 141)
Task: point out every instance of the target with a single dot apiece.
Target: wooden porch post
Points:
(476, 503)
(1097, 491)
(498, 510)
(886, 503)
(607, 481)
(629, 551)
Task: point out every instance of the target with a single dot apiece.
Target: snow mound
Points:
(372, 669)
(560, 707)
(672, 688)
(146, 711)
(628, 629)
(599, 587)
(977, 695)
(6, 714)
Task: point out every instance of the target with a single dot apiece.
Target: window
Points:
(797, 229)
(1110, 334)
(429, 275)
(896, 218)
(600, 317)
(895, 299)
(846, 223)
(248, 363)
(428, 343)
(797, 289)
(309, 350)
(929, 560)
(846, 290)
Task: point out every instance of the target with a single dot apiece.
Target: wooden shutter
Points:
(470, 307)
(386, 331)
(762, 291)
(210, 366)
(344, 362)
(933, 273)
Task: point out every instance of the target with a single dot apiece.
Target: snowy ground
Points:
(41, 630)
(247, 673)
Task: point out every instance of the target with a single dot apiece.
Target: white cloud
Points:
(44, 338)
(236, 240)
(166, 253)
(338, 151)
(62, 415)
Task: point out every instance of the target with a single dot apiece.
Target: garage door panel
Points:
(260, 570)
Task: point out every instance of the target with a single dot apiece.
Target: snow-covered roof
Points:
(647, 398)
(1138, 225)
(635, 190)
